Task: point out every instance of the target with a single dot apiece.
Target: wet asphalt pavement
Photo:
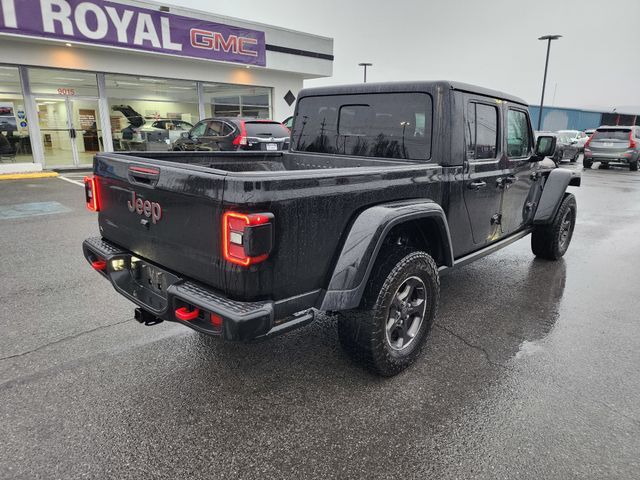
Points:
(532, 370)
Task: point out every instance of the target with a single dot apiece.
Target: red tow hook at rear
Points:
(186, 315)
(99, 264)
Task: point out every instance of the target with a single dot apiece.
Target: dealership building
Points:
(83, 76)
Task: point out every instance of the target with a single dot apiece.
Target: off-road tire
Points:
(363, 331)
(549, 241)
(586, 163)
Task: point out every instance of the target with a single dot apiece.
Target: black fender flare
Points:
(553, 192)
(363, 242)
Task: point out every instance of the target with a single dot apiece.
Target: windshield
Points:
(612, 134)
(390, 125)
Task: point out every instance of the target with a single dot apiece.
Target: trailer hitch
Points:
(146, 318)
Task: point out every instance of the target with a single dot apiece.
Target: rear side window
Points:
(266, 129)
(214, 129)
(615, 134)
(518, 134)
(227, 129)
(389, 125)
(481, 131)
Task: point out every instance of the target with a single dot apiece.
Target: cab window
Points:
(518, 134)
(481, 131)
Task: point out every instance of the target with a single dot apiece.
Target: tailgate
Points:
(167, 214)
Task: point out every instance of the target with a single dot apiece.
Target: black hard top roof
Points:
(421, 86)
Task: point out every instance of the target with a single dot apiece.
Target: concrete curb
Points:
(20, 176)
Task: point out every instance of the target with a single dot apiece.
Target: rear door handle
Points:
(477, 185)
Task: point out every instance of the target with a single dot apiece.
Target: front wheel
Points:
(387, 331)
(552, 241)
(633, 166)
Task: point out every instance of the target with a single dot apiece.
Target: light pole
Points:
(365, 65)
(548, 38)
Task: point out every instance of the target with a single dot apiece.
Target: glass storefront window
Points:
(10, 80)
(236, 101)
(150, 113)
(15, 143)
(66, 83)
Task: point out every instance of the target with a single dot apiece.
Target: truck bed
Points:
(239, 162)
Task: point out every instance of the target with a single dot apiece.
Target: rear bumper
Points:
(241, 321)
(614, 157)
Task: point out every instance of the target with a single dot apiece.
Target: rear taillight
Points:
(242, 138)
(247, 238)
(91, 194)
(588, 142)
(632, 142)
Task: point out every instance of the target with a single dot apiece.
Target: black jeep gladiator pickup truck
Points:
(385, 187)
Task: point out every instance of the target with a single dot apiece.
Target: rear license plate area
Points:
(151, 277)
(146, 283)
(272, 146)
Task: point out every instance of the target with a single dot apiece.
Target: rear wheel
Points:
(552, 241)
(387, 331)
(587, 162)
(633, 166)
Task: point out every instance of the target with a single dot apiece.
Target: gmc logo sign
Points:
(209, 40)
(149, 209)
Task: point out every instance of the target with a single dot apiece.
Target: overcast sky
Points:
(492, 43)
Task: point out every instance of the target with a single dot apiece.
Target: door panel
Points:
(483, 177)
(483, 197)
(519, 193)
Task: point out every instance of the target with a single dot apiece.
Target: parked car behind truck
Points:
(386, 187)
(617, 145)
(232, 134)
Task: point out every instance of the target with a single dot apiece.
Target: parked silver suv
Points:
(615, 144)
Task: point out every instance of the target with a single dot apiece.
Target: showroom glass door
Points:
(70, 130)
(85, 122)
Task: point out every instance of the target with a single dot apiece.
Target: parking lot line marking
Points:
(20, 176)
(80, 184)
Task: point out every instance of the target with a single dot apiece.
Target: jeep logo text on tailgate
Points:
(149, 209)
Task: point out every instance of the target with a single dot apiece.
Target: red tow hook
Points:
(186, 315)
(99, 264)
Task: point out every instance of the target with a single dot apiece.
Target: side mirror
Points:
(545, 147)
(184, 135)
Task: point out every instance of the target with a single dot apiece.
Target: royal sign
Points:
(116, 25)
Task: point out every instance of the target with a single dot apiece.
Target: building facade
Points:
(79, 77)
(558, 118)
